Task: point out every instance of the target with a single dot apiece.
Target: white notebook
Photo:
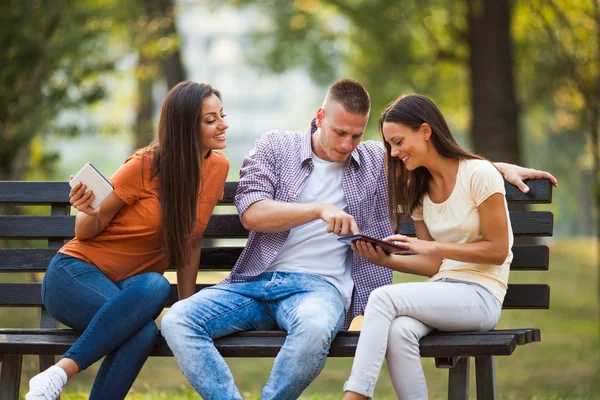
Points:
(89, 176)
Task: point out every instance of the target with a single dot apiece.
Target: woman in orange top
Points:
(108, 282)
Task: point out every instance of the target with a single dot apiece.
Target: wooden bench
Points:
(451, 350)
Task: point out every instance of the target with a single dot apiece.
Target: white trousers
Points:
(398, 316)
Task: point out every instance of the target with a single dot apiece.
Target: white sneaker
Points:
(47, 385)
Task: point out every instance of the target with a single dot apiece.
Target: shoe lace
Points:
(51, 389)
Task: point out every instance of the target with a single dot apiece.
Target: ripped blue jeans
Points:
(308, 307)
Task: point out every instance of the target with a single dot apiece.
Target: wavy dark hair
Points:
(407, 188)
(178, 164)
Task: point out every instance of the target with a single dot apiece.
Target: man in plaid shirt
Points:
(298, 192)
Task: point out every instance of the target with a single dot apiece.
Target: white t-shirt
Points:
(309, 248)
(456, 220)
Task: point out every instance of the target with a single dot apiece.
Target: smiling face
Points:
(213, 126)
(408, 145)
(339, 132)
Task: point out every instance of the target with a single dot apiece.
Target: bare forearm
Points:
(186, 275)
(419, 264)
(87, 226)
(484, 252)
(277, 216)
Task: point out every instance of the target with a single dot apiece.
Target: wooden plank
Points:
(47, 322)
(518, 296)
(63, 227)
(44, 193)
(37, 260)
(526, 258)
(268, 343)
(530, 223)
(10, 376)
(229, 192)
(485, 377)
(527, 296)
(458, 380)
(21, 260)
(524, 223)
(530, 258)
(32, 192)
(540, 192)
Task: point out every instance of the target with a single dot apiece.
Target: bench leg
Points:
(10, 377)
(485, 375)
(47, 321)
(458, 384)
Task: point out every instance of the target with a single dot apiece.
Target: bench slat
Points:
(526, 257)
(63, 226)
(524, 223)
(268, 343)
(531, 223)
(519, 296)
(40, 193)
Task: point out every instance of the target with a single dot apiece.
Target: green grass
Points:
(564, 366)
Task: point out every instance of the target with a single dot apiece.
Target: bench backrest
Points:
(59, 226)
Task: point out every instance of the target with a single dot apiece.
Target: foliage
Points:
(391, 48)
(421, 46)
(60, 56)
(560, 88)
(55, 56)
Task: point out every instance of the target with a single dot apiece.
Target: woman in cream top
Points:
(464, 237)
(456, 220)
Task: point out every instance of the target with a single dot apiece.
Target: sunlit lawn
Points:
(565, 365)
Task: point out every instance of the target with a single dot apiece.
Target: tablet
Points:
(387, 247)
(89, 176)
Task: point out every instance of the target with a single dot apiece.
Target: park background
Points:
(519, 81)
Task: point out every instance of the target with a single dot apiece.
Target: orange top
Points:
(132, 243)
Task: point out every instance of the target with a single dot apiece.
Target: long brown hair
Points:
(178, 162)
(407, 188)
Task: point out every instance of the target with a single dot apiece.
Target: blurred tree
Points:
(162, 33)
(56, 56)
(55, 53)
(557, 46)
(456, 52)
(470, 56)
(159, 56)
(495, 114)
(157, 43)
(573, 37)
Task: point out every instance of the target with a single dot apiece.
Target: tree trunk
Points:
(495, 114)
(171, 66)
(145, 105)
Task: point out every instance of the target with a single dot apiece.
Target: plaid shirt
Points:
(277, 168)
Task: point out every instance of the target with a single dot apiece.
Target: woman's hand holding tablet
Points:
(387, 247)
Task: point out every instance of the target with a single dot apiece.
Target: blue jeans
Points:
(308, 307)
(115, 320)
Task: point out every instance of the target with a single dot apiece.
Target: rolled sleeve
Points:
(258, 177)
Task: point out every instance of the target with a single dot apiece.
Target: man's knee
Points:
(177, 320)
(316, 331)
